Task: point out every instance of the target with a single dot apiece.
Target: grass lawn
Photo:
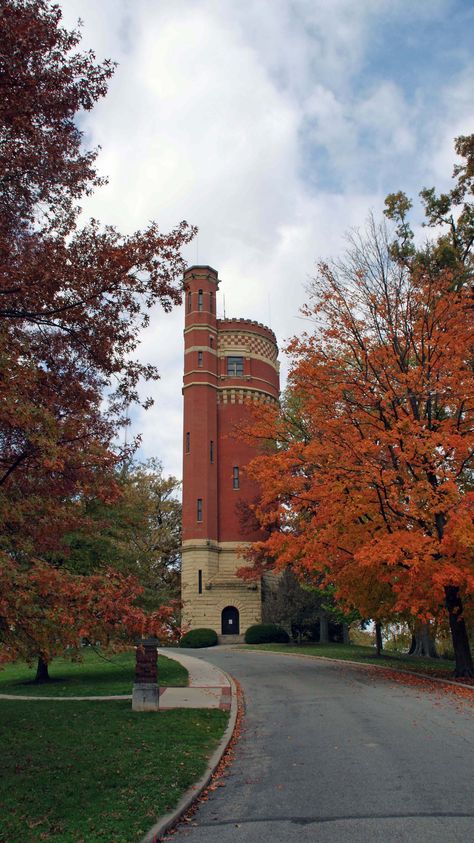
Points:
(365, 655)
(96, 771)
(95, 675)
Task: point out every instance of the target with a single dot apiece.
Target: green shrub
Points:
(266, 633)
(199, 638)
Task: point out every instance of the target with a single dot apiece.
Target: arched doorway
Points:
(230, 621)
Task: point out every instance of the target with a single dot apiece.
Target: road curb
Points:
(361, 664)
(168, 820)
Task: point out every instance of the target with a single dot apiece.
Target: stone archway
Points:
(230, 621)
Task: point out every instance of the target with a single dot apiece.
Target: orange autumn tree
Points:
(373, 488)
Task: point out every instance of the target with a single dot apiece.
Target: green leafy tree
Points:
(139, 533)
(298, 607)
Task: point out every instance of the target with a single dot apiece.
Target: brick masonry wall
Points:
(146, 667)
(215, 403)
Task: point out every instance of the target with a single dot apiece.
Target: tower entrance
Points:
(230, 621)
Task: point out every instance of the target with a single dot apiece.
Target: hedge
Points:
(266, 633)
(199, 638)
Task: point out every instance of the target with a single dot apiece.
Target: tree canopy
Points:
(139, 534)
(73, 300)
(373, 491)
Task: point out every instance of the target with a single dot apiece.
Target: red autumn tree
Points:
(44, 610)
(73, 300)
(375, 490)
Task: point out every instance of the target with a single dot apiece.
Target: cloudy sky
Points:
(275, 126)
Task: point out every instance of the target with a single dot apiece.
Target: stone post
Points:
(145, 695)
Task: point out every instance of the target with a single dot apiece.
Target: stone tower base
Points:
(210, 596)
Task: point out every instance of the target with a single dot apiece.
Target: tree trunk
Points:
(42, 674)
(462, 653)
(423, 643)
(429, 643)
(323, 630)
(378, 638)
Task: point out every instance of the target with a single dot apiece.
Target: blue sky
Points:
(275, 126)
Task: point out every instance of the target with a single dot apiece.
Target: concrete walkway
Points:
(208, 687)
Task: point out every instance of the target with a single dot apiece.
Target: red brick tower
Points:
(226, 363)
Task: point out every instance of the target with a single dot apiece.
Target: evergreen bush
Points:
(266, 633)
(199, 638)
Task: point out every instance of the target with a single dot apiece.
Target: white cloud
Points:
(457, 98)
(244, 119)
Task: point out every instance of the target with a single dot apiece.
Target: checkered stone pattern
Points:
(251, 343)
(227, 340)
(262, 347)
(242, 396)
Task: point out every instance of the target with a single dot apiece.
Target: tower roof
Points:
(199, 266)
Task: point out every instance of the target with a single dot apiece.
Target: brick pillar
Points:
(145, 690)
(146, 664)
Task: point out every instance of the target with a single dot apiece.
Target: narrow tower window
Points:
(200, 359)
(199, 509)
(235, 366)
(189, 302)
(211, 302)
(200, 300)
(211, 342)
(235, 477)
(211, 451)
(199, 582)
(188, 443)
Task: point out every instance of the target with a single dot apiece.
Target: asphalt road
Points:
(332, 753)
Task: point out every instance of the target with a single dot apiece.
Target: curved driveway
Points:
(332, 753)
